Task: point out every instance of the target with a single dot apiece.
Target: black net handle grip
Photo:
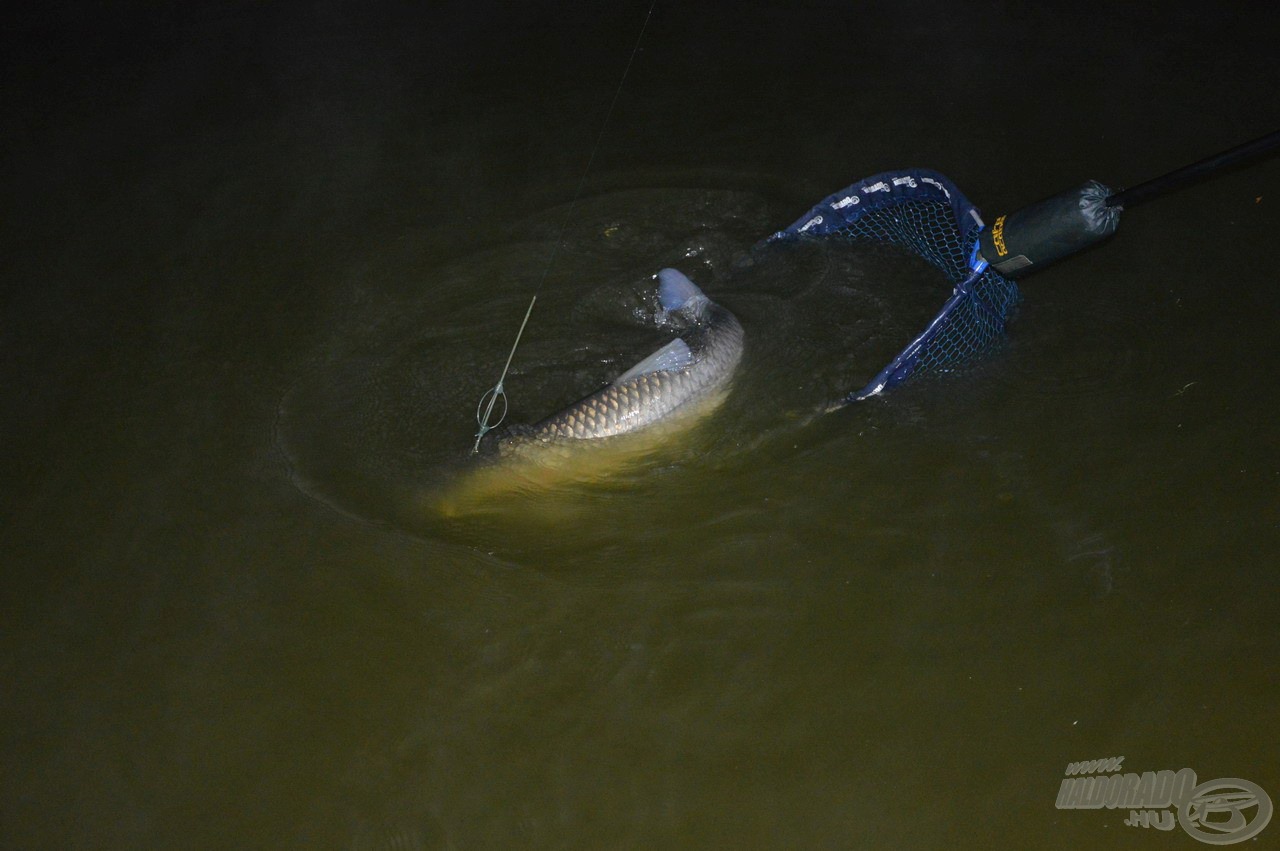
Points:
(1189, 173)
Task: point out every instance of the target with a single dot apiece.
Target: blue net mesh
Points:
(922, 212)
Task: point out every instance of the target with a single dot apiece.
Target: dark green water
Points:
(260, 263)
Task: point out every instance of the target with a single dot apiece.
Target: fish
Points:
(694, 367)
(623, 422)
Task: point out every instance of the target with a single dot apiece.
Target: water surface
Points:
(261, 262)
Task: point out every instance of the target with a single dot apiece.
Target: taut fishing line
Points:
(489, 401)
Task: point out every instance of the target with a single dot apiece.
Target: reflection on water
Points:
(265, 262)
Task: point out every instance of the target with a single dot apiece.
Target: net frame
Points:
(923, 212)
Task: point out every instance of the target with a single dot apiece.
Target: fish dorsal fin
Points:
(671, 357)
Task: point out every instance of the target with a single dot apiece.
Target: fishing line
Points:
(498, 392)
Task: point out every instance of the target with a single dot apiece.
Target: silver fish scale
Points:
(716, 343)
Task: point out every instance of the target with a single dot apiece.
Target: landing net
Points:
(923, 212)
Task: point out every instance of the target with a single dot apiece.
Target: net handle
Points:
(1190, 173)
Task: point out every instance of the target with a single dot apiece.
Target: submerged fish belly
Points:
(556, 470)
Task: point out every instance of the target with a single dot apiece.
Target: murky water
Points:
(262, 262)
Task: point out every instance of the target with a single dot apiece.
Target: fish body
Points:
(617, 427)
(693, 368)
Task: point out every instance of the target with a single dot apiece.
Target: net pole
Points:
(1190, 173)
